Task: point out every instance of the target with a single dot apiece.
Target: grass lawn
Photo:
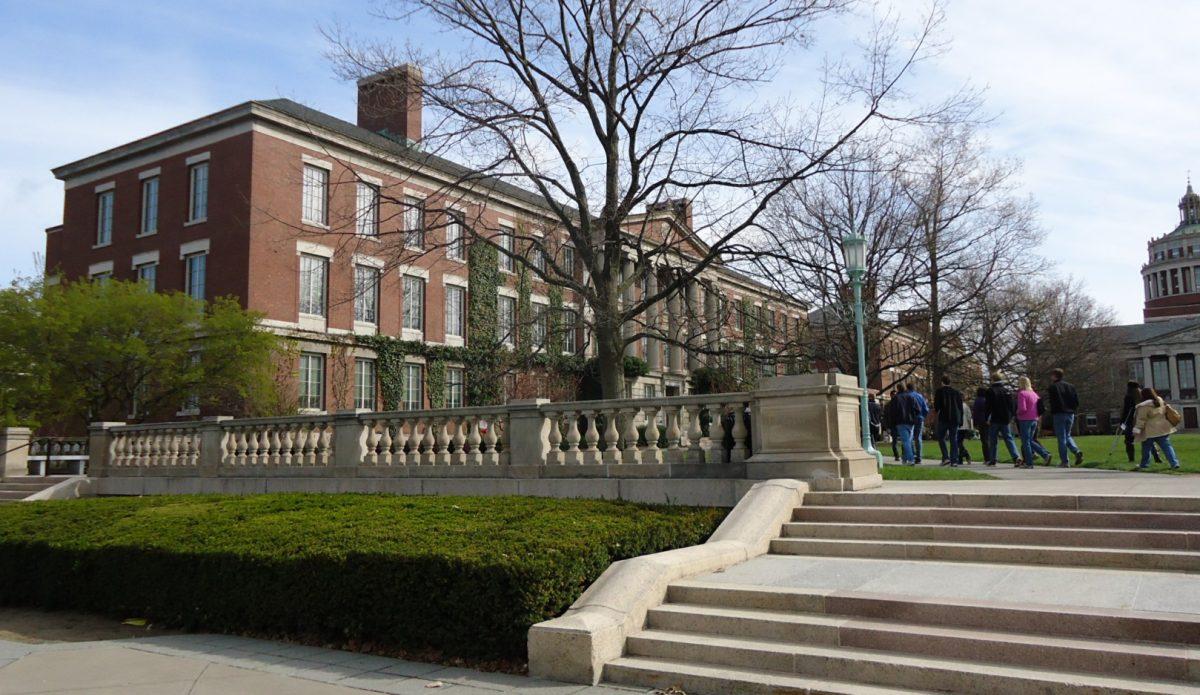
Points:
(432, 578)
(1095, 450)
(926, 472)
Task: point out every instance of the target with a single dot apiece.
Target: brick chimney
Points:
(680, 208)
(390, 103)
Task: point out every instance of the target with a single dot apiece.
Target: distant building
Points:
(1171, 276)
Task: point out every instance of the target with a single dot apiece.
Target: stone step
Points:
(1119, 658)
(884, 668)
(1109, 503)
(1060, 621)
(14, 486)
(1020, 535)
(697, 679)
(1112, 558)
(15, 494)
(1163, 521)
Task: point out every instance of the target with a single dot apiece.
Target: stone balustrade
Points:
(799, 426)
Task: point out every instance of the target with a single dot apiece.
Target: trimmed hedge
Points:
(455, 576)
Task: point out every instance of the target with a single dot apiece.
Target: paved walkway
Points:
(225, 665)
(1053, 480)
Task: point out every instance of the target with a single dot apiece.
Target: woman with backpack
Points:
(1153, 423)
(1029, 411)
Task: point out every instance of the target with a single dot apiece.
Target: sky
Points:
(1099, 99)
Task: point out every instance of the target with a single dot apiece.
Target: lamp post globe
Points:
(854, 249)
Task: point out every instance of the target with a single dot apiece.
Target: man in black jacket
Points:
(875, 417)
(906, 413)
(947, 403)
(1063, 402)
(1001, 408)
(891, 419)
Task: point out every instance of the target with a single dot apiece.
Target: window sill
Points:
(191, 223)
(310, 411)
(368, 237)
(414, 248)
(143, 235)
(365, 328)
(412, 334)
(318, 225)
(101, 246)
(311, 322)
(455, 341)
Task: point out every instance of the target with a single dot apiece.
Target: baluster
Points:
(591, 439)
(652, 454)
(612, 437)
(406, 442)
(252, 446)
(441, 442)
(673, 433)
(286, 443)
(371, 455)
(459, 456)
(274, 446)
(572, 455)
(501, 445)
(491, 457)
(695, 435)
(174, 437)
(304, 448)
(424, 445)
(381, 449)
(555, 454)
(723, 434)
(326, 456)
(474, 456)
(629, 447)
(193, 447)
(740, 452)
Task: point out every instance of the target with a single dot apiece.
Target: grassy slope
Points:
(926, 472)
(1095, 450)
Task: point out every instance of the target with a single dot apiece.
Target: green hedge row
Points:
(459, 576)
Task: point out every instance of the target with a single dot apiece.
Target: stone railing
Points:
(807, 423)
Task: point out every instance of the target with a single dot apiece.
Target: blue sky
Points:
(1098, 99)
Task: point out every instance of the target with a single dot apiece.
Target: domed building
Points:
(1171, 277)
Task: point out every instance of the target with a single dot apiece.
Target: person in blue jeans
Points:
(1063, 402)
(906, 414)
(1153, 428)
(948, 403)
(922, 412)
(1001, 409)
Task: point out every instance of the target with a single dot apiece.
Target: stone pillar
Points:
(14, 452)
(1173, 374)
(627, 329)
(349, 438)
(99, 448)
(712, 322)
(653, 345)
(527, 436)
(806, 427)
(694, 312)
(212, 444)
(1147, 375)
(675, 326)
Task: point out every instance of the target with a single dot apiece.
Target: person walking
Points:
(979, 416)
(1001, 409)
(1133, 396)
(875, 417)
(919, 429)
(908, 415)
(965, 427)
(1153, 424)
(1028, 422)
(1063, 402)
(948, 404)
(892, 418)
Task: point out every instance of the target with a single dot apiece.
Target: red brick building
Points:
(333, 229)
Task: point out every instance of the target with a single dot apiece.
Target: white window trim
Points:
(197, 158)
(313, 161)
(507, 292)
(539, 299)
(456, 280)
(364, 328)
(149, 173)
(144, 258)
(189, 223)
(415, 271)
(366, 178)
(101, 267)
(193, 247)
(308, 247)
(104, 187)
(372, 261)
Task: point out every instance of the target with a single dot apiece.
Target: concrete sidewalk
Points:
(198, 664)
(1052, 480)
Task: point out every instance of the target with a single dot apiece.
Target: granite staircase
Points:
(710, 638)
(16, 489)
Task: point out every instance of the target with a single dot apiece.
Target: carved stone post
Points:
(99, 448)
(14, 452)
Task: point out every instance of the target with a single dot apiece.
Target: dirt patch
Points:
(35, 627)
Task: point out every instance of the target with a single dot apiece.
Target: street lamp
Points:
(854, 248)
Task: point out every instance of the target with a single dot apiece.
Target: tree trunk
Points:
(610, 352)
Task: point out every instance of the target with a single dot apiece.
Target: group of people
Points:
(996, 409)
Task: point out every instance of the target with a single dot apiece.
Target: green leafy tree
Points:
(111, 350)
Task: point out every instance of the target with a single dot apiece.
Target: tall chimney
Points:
(389, 103)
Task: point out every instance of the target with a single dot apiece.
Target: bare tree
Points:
(607, 108)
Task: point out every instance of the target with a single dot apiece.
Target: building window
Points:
(368, 209)
(198, 189)
(455, 310)
(313, 274)
(569, 320)
(414, 302)
(414, 223)
(312, 381)
(569, 261)
(506, 250)
(101, 277)
(414, 387)
(537, 257)
(541, 326)
(316, 195)
(454, 237)
(195, 267)
(147, 274)
(104, 218)
(455, 380)
(650, 390)
(364, 383)
(150, 205)
(1160, 374)
(366, 294)
(506, 319)
(1186, 366)
(1137, 371)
